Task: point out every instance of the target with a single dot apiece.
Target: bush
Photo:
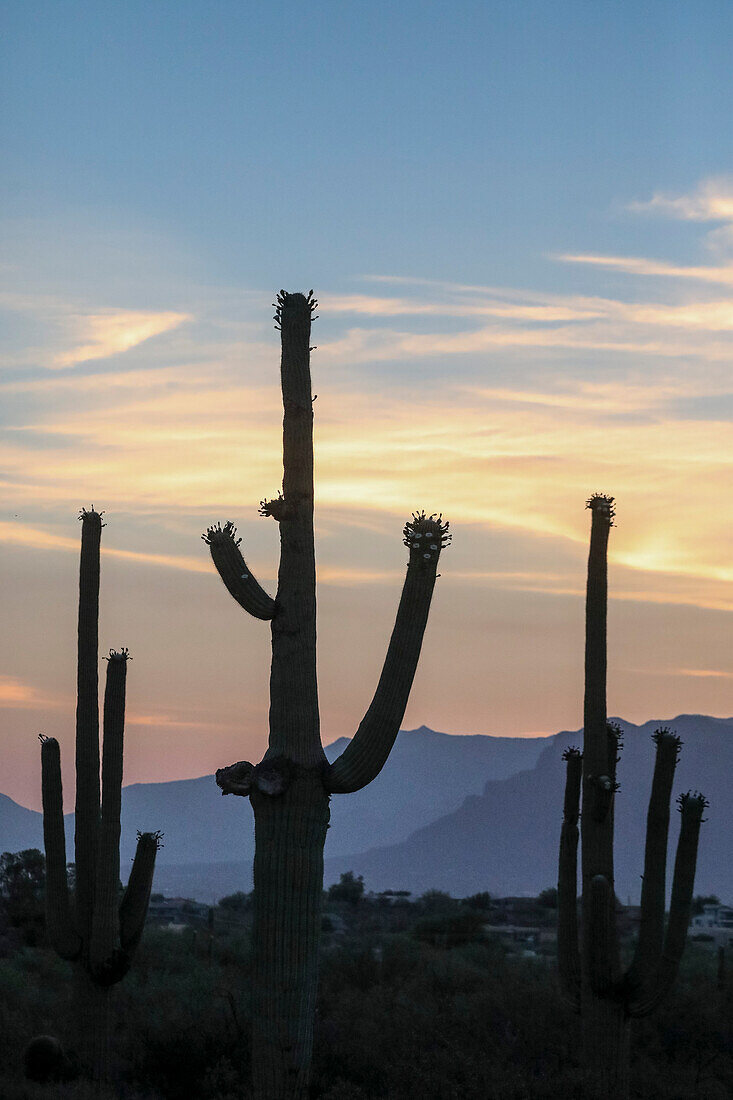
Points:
(450, 929)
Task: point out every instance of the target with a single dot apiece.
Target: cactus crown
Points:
(692, 802)
(291, 308)
(664, 733)
(602, 505)
(122, 654)
(665, 736)
(152, 838)
(89, 515)
(275, 507)
(219, 534)
(571, 753)
(426, 536)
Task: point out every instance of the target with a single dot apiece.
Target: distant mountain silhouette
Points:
(19, 828)
(428, 774)
(457, 813)
(506, 839)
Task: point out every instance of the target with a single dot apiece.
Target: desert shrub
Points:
(397, 1018)
(185, 1019)
(450, 929)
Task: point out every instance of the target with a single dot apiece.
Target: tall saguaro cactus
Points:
(590, 972)
(96, 931)
(290, 788)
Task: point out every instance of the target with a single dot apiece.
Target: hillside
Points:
(506, 839)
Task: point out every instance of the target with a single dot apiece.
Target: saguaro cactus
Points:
(591, 973)
(290, 788)
(98, 932)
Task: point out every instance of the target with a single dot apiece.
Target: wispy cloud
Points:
(18, 694)
(168, 721)
(38, 539)
(635, 265)
(75, 334)
(102, 335)
(494, 437)
(711, 201)
(705, 673)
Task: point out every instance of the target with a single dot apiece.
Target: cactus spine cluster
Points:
(94, 930)
(590, 969)
(290, 788)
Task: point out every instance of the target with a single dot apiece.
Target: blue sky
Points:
(465, 140)
(519, 222)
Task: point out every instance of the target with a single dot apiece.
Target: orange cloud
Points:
(703, 672)
(638, 266)
(17, 694)
(102, 335)
(38, 539)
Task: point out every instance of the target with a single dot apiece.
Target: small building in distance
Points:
(715, 923)
(176, 911)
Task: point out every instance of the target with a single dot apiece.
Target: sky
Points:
(518, 220)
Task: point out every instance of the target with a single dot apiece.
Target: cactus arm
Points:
(294, 717)
(235, 573)
(61, 931)
(134, 905)
(600, 955)
(651, 930)
(568, 955)
(105, 922)
(594, 706)
(366, 753)
(87, 722)
(691, 807)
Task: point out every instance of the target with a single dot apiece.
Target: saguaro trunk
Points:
(92, 1021)
(605, 1033)
(590, 970)
(288, 886)
(290, 788)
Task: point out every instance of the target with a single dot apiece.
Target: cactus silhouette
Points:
(590, 970)
(290, 788)
(97, 932)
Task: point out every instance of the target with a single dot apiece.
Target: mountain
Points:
(19, 828)
(428, 774)
(456, 813)
(506, 839)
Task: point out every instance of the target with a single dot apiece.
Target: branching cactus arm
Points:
(651, 930)
(600, 747)
(235, 573)
(294, 715)
(105, 926)
(595, 731)
(87, 723)
(568, 952)
(134, 904)
(692, 806)
(62, 933)
(363, 758)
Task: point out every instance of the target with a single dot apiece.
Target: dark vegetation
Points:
(416, 999)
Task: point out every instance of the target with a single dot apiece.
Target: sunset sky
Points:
(518, 220)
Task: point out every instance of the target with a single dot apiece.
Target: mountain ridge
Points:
(460, 812)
